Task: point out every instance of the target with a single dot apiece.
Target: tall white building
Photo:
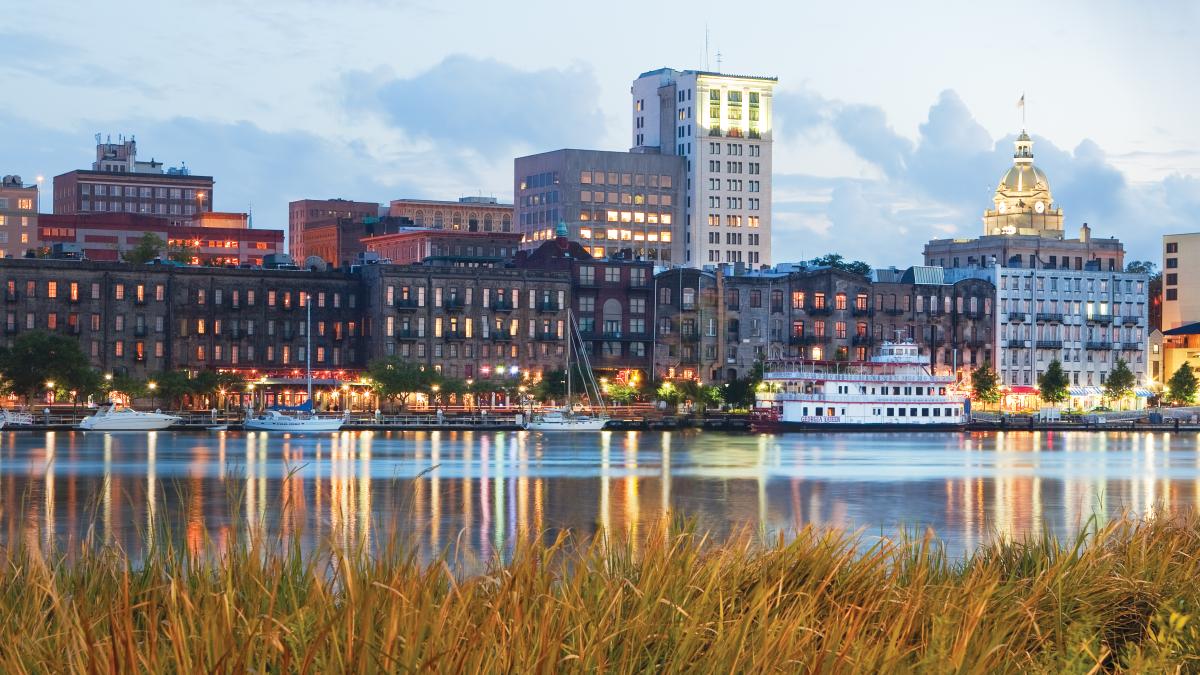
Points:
(722, 126)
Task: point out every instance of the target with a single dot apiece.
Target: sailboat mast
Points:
(308, 346)
(570, 343)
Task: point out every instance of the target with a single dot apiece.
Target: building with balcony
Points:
(18, 217)
(612, 303)
(468, 322)
(119, 183)
(722, 125)
(628, 203)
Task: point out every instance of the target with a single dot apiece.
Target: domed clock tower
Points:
(1022, 204)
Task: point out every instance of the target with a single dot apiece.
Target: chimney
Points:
(1085, 233)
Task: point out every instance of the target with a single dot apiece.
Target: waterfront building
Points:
(611, 202)
(472, 214)
(1180, 302)
(143, 320)
(722, 125)
(1055, 298)
(342, 241)
(412, 245)
(119, 183)
(307, 214)
(468, 322)
(105, 236)
(18, 217)
(612, 304)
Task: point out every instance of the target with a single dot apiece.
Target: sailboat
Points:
(566, 418)
(307, 420)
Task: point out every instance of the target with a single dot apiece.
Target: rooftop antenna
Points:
(1021, 107)
(706, 46)
(250, 216)
(718, 60)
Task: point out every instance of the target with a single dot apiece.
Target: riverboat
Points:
(894, 390)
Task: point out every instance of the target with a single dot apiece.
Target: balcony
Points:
(863, 340)
(503, 336)
(454, 335)
(1015, 344)
(587, 283)
(1100, 318)
(73, 329)
(1018, 317)
(894, 311)
(138, 331)
(820, 311)
(407, 334)
(1098, 346)
(808, 339)
(550, 336)
(405, 304)
(73, 299)
(287, 337)
(136, 300)
(1043, 317)
(639, 286)
(734, 307)
(454, 305)
(860, 311)
(11, 296)
(547, 307)
(12, 329)
(1049, 344)
(236, 334)
(501, 306)
(235, 306)
(690, 336)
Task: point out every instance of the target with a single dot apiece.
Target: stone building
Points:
(18, 217)
(146, 319)
(611, 302)
(468, 322)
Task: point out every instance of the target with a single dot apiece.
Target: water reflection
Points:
(479, 493)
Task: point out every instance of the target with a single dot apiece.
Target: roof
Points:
(1185, 329)
(887, 275)
(924, 275)
(710, 73)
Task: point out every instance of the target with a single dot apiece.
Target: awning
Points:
(1142, 392)
(1186, 329)
(1085, 391)
(1022, 390)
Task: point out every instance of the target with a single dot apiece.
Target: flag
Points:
(1021, 103)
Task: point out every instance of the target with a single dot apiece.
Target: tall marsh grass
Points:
(1124, 596)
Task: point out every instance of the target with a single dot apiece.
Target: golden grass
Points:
(1120, 598)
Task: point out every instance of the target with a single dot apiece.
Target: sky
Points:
(894, 121)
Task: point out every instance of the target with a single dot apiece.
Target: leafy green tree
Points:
(37, 358)
(171, 386)
(553, 386)
(1053, 383)
(1119, 382)
(128, 385)
(837, 261)
(149, 247)
(1141, 267)
(669, 393)
(1182, 386)
(395, 379)
(182, 253)
(712, 395)
(621, 392)
(985, 385)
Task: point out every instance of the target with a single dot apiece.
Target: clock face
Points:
(1003, 208)
(1040, 207)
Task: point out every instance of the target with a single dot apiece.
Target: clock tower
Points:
(1022, 203)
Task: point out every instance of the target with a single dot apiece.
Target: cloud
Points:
(938, 184)
(485, 104)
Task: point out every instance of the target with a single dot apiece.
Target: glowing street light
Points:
(49, 384)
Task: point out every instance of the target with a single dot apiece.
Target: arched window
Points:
(612, 317)
(506, 224)
(438, 220)
(487, 223)
(419, 218)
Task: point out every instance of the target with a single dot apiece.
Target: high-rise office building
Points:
(722, 126)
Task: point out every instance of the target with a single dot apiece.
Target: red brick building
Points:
(416, 245)
(470, 214)
(307, 214)
(106, 236)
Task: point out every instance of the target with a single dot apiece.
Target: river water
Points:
(478, 492)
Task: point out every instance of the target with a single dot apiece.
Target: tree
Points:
(712, 395)
(1119, 382)
(1182, 386)
(669, 393)
(393, 378)
(148, 248)
(172, 386)
(984, 384)
(182, 253)
(1053, 383)
(836, 261)
(740, 392)
(1141, 267)
(553, 386)
(621, 392)
(37, 358)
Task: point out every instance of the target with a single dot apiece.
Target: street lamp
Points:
(40, 180)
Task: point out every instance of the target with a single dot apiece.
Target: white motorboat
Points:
(568, 419)
(119, 418)
(273, 420)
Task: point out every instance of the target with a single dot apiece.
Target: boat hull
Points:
(148, 422)
(816, 427)
(570, 425)
(303, 427)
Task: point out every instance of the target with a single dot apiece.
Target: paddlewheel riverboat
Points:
(895, 390)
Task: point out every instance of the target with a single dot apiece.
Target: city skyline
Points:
(885, 138)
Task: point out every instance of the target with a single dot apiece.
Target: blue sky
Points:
(895, 120)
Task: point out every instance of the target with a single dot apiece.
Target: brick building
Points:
(119, 183)
(307, 214)
(105, 236)
(413, 245)
(18, 217)
(472, 214)
(146, 319)
(468, 322)
(612, 303)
